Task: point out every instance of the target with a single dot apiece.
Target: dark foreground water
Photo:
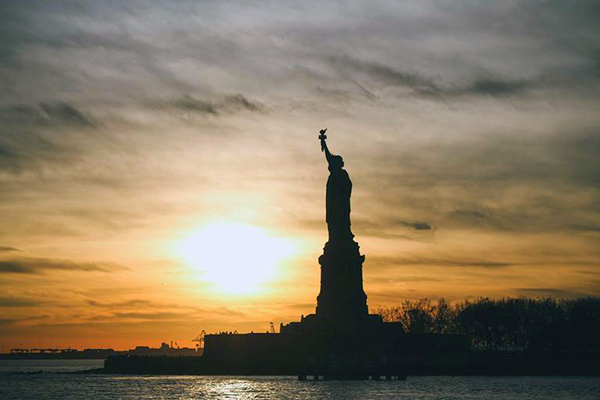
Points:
(65, 386)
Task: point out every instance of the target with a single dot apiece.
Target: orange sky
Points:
(148, 152)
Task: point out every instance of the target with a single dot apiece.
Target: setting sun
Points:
(235, 258)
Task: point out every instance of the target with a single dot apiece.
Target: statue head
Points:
(336, 163)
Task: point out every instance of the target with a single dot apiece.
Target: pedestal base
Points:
(342, 291)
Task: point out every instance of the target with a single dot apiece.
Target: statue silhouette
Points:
(339, 190)
(341, 291)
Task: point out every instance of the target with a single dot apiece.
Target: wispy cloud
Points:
(224, 105)
(43, 265)
(390, 262)
(8, 249)
(33, 134)
(45, 114)
(421, 85)
(163, 316)
(12, 302)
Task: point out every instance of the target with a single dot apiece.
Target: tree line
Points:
(518, 324)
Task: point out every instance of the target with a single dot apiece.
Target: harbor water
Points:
(21, 379)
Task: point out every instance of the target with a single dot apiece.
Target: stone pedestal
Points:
(342, 293)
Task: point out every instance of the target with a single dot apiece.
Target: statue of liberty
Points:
(339, 190)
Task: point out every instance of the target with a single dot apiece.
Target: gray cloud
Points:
(8, 249)
(189, 104)
(43, 265)
(560, 156)
(421, 85)
(24, 150)
(137, 304)
(419, 226)
(32, 134)
(11, 302)
(226, 104)
(44, 114)
(150, 316)
(502, 183)
(121, 304)
(585, 228)
(472, 218)
(435, 262)
(402, 279)
(489, 87)
(384, 226)
(384, 73)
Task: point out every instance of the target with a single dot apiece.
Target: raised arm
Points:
(324, 148)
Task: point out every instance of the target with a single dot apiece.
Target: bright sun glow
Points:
(235, 258)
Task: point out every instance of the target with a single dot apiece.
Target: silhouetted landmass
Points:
(517, 324)
(513, 336)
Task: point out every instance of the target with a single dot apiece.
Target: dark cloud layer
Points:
(502, 183)
(390, 262)
(45, 114)
(152, 315)
(419, 226)
(8, 249)
(122, 304)
(31, 135)
(11, 302)
(421, 85)
(227, 104)
(44, 265)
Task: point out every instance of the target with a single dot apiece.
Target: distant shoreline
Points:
(6, 356)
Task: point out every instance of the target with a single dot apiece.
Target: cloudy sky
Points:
(134, 132)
